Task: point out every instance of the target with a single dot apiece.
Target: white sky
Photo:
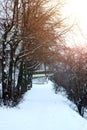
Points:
(76, 10)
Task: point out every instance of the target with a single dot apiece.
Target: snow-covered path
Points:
(41, 110)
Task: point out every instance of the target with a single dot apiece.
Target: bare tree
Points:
(9, 43)
(40, 31)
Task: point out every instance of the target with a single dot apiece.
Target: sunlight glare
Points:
(76, 10)
(79, 9)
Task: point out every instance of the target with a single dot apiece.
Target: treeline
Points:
(30, 31)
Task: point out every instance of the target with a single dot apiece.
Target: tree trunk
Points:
(4, 76)
(10, 74)
(80, 110)
(19, 83)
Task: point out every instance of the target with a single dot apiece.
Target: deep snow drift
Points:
(41, 109)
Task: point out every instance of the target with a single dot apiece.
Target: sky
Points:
(76, 11)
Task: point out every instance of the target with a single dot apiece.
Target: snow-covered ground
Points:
(41, 109)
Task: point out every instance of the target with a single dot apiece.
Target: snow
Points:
(42, 109)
